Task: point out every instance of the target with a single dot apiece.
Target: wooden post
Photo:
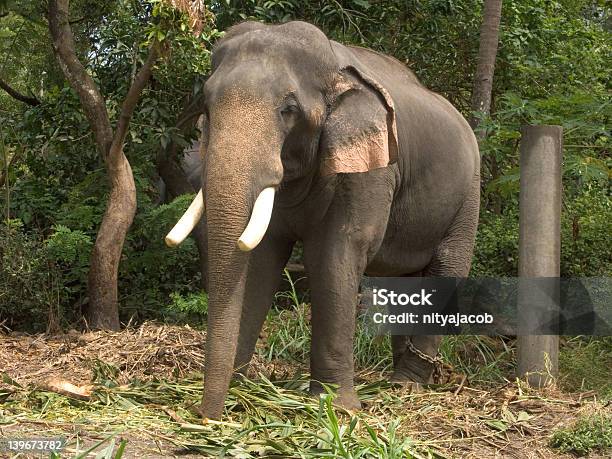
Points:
(539, 246)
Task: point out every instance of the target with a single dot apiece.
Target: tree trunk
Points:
(102, 311)
(487, 52)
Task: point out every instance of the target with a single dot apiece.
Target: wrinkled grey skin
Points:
(191, 163)
(281, 100)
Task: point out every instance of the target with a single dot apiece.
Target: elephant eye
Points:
(290, 108)
(290, 112)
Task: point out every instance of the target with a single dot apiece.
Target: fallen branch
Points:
(68, 389)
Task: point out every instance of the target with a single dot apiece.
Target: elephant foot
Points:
(346, 399)
(405, 375)
(241, 373)
(415, 359)
(407, 382)
(411, 369)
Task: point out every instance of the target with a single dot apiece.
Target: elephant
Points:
(341, 148)
(191, 166)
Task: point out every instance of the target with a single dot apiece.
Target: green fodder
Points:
(588, 434)
(262, 418)
(140, 385)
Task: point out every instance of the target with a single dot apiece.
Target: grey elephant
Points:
(343, 149)
(191, 166)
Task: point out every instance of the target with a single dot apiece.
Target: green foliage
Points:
(585, 229)
(552, 67)
(68, 246)
(585, 233)
(69, 251)
(42, 280)
(32, 290)
(192, 304)
(496, 251)
(56, 182)
(584, 117)
(587, 435)
(584, 364)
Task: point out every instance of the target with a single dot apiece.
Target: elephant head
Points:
(282, 103)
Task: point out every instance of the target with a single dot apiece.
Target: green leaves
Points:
(588, 434)
(67, 245)
(553, 68)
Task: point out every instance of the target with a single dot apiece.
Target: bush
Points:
(585, 229)
(496, 251)
(31, 284)
(587, 435)
(70, 251)
(150, 271)
(193, 307)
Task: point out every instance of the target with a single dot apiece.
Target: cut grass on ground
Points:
(145, 385)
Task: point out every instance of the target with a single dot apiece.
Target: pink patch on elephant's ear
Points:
(367, 152)
(360, 132)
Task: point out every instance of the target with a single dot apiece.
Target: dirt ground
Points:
(49, 385)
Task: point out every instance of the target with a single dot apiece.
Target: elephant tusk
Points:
(259, 221)
(188, 221)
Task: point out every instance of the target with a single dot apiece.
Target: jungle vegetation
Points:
(552, 67)
(63, 151)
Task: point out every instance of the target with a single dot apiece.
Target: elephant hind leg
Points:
(452, 258)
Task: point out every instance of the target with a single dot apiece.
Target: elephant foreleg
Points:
(334, 283)
(336, 256)
(263, 278)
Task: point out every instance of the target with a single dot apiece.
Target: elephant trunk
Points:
(231, 236)
(239, 194)
(227, 270)
(227, 213)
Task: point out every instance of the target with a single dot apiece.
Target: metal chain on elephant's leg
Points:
(436, 360)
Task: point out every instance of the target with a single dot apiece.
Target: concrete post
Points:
(539, 248)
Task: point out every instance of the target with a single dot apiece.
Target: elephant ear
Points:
(360, 132)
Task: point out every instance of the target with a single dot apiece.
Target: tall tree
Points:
(102, 310)
(487, 52)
